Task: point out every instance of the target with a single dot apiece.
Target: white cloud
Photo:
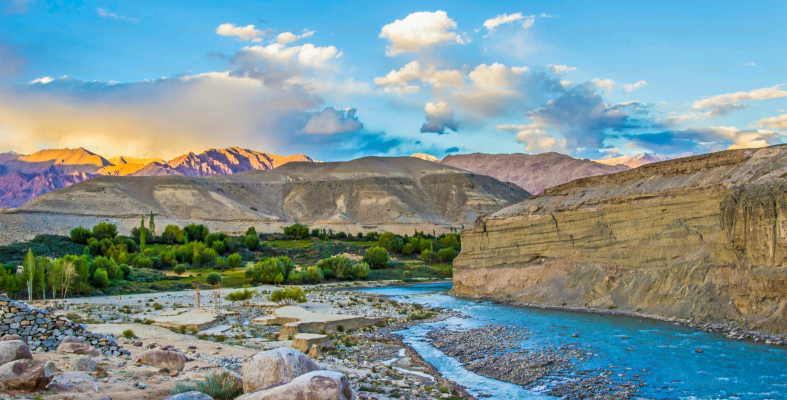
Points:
(397, 81)
(559, 69)
(248, 32)
(757, 94)
(603, 83)
(566, 84)
(307, 55)
(418, 30)
(779, 122)
(502, 19)
(535, 138)
(289, 37)
(42, 81)
(330, 121)
(750, 64)
(629, 87)
(439, 117)
(106, 14)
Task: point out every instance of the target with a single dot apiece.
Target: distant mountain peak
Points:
(426, 157)
(634, 161)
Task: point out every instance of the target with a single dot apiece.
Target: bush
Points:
(219, 386)
(408, 249)
(180, 269)
(80, 235)
(313, 275)
(269, 270)
(129, 334)
(100, 278)
(172, 234)
(196, 233)
(252, 242)
(241, 295)
(218, 247)
(360, 270)
(251, 231)
(288, 295)
(234, 261)
(297, 231)
(157, 306)
(104, 230)
(376, 257)
(447, 255)
(213, 279)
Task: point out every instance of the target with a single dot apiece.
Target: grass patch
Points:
(219, 386)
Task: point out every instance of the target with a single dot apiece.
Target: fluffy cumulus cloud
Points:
(289, 37)
(561, 69)
(607, 84)
(330, 121)
(419, 30)
(248, 32)
(779, 122)
(536, 140)
(730, 98)
(630, 87)
(439, 117)
(399, 81)
(503, 19)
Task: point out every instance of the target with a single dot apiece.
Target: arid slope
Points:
(369, 190)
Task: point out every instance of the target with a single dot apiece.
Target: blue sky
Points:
(341, 80)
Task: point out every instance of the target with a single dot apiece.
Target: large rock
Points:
(13, 350)
(171, 360)
(84, 363)
(317, 385)
(11, 337)
(78, 348)
(305, 341)
(190, 396)
(27, 375)
(274, 367)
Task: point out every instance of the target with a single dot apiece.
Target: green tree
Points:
(29, 273)
(152, 225)
(428, 256)
(180, 269)
(213, 279)
(142, 234)
(313, 275)
(360, 270)
(297, 231)
(252, 242)
(376, 257)
(267, 270)
(408, 249)
(218, 247)
(80, 235)
(384, 239)
(100, 279)
(172, 234)
(105, 230)
(196, 233)
(251, 231)
(234, 261)
(447, 255)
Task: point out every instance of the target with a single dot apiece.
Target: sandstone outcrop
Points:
(171, 360)
(701, 238)
(317, 385)
(274, 367)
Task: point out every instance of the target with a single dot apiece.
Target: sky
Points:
(341, 80)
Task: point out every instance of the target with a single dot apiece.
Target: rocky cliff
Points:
(702, 237)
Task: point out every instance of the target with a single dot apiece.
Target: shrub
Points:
(428, 256)
(447, 255)
(206, 258)
(252, 242)
(80, 235)
(408, 249)
(269, 270)
(129, 334)
(288, 295)
(105, 230)
(196, 233)
(157, 306)
(100, 279)
(218, 247)
(376, 257)
(297, 231)
(213, 279)
(313, 274)
(180, 269)
(219, 386)
(234, 261)
(251, 231)
(360, 270)
(241, 295)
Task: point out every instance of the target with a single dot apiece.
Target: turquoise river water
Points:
(662, 354)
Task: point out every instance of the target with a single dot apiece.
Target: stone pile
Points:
(43, 331)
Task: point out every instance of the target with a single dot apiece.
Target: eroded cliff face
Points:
(702, 237)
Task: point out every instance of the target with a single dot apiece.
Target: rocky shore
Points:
(496, 352)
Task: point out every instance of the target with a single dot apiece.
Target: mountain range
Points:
(633, 161)
(25, 177)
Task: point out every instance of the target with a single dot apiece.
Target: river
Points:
(671, 361)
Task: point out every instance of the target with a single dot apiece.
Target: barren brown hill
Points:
(369, 190)
(219, 162)
(533, 173)
(702, 237)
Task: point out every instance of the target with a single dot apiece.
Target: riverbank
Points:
(731, 330)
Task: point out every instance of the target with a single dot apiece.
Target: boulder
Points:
(190, 396)
(305, 341)
(274, 367)
(315, 352)
(11, 337)
(317, 385)
(171, 360)
(84, 363)
(78, 348)
(27, 375)
(71, 339)
(12, 350)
